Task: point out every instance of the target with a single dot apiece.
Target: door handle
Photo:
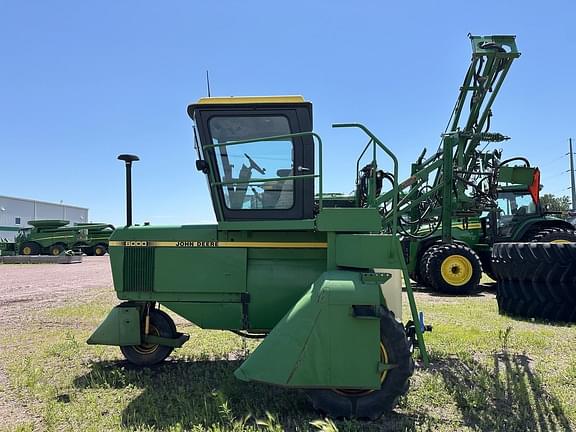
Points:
(302, 169)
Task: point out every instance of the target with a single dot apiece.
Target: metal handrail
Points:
(380, 144)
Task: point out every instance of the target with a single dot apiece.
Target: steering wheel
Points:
(254, 165)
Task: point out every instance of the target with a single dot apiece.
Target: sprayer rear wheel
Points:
(150, 354)
(371, 404)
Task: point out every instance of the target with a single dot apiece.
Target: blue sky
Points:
(81, 82)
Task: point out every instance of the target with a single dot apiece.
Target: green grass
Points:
(488, 373)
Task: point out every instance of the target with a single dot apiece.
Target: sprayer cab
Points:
(258, 155)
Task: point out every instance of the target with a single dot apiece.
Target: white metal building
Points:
(16, 212)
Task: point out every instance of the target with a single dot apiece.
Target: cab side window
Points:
(252, 174)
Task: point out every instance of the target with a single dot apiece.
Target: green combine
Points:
(97, 237)
(53, 237)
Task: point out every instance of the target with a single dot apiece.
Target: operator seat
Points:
(279, 194)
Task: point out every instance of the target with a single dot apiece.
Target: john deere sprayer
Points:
(465, 197)
(321, 286)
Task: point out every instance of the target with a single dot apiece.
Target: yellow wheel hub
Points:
(146, 349)
(27, 250)
(352, 392)
(456, 270)
(55, 252)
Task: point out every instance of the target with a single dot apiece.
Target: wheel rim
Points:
(55, 251)
(357, 393)
(99, 251)
(147, 349)
(27, 250)
(456, 270)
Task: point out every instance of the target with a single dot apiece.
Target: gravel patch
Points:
(25, 290)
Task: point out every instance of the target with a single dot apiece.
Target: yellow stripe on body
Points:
(210, 244)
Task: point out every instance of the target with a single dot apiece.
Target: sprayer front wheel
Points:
(150, 354)
(371, 404)
(454, 269)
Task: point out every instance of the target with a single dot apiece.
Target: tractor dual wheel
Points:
(371, 404)
(453, 268)
(527, 299)
(30, 248)
(550, 263)
(150, 354)
(552, 235)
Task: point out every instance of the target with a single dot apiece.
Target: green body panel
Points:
(209, 315)
(358, 250)
(349, 219)
(121, 327)
(199, 281)
(516, 175)
(201, 270)
(255, 285)
(319, 343)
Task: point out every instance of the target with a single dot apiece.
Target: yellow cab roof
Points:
(249, 100)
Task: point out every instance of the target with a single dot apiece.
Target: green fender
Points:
(121, 327)
(329, 339)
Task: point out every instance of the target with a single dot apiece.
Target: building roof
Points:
(43, 202)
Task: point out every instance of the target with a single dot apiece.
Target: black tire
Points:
(423, 266)
(89, 251)
(486, 260)
(56, 249)
(454, 269)
(100, 250)
(30, 248)
(148, 355)
(552, 235)
(528, 299)
(371, 404)
(551, 263)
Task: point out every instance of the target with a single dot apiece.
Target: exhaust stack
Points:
(128, 159)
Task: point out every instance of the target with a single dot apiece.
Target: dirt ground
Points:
(26, 289)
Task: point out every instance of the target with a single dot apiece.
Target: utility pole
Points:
(572, 176)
